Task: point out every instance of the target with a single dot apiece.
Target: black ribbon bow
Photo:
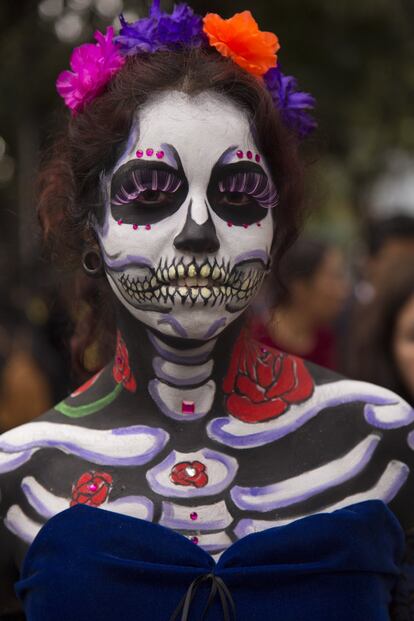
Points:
(217, 587)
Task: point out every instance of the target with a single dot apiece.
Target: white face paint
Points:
(188, 226)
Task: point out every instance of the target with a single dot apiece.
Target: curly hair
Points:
(90, 142)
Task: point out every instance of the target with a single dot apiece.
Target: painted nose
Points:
(197, 237)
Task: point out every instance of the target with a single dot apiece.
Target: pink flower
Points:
(93, 65)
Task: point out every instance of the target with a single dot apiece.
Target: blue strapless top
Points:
(92, 565)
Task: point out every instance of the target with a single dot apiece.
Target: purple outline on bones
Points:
(288, 496)
(258, 254)
(216, 325)
(173, 357)
(153, 391)
(188, 381)
(138, 501)
(175, 324)
(247, 526)
(167, 518)
(46, 511)
(38, 504)
(159, 436)
(327, 395)
(215, 547)
(190, 492)
(9, 462)
(14, 525)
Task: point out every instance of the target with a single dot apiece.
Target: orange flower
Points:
(240, 39)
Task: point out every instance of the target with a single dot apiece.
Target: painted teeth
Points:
(180, 270)
(216, 273)
(205, 271)
(172, 273)
(192, 272)
(205, 293)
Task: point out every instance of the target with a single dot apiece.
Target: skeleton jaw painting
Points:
(188, 225)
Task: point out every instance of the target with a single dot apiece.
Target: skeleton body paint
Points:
(193, 425)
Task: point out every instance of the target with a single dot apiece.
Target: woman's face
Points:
(188, 222)
(403, 344)
(324, 294)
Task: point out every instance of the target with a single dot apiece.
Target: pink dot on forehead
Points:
(135, 226)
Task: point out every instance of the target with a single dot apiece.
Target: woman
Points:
(383, 347)
(305, 300)
(198, 471)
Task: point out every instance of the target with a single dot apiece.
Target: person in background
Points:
(382, 344)
(305, 300)
(389, 242)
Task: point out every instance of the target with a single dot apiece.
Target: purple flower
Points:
(93, 65)
(293, 104)
(161, 30)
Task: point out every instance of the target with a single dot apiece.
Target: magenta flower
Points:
(93, 65)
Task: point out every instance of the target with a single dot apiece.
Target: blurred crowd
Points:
(352, 312)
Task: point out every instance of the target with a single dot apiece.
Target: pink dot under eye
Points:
(148, 227)
(139, 153)
(135, 226)
(149, 152)
(239, 154)
(258, 158)
(160, 154)
(249, 155)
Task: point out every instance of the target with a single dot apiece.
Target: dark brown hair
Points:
(90, 142)
(372, 358)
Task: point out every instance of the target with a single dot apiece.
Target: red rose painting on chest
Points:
(262, 383)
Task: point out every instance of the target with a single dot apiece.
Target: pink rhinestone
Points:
(257, 158)
(239, 154)
(93, 487)
(245, 226)
(120, 221)
(149, 152)
(135, 226)
(229, 223)
(259, 224)
(139, 153)
(187, 407)
(160, 154)
(249, 155)
(148, 227)
(193, 516)
(195, 540)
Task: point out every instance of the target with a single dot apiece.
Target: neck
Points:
(183, 376)
(293, 329)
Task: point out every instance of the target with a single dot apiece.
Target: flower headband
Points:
(238, 38)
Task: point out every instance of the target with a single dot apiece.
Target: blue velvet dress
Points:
(92, 565)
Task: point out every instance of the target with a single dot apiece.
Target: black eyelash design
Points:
(141, 180)
(254, 184)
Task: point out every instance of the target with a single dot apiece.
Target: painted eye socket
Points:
(145, 195)
(235, 199)
(241, 195)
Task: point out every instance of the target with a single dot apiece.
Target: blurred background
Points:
(344, 304)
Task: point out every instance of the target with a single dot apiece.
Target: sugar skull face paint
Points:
(186, 237)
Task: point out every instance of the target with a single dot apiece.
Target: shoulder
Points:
(264, 383)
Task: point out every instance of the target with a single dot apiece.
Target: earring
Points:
(92, 263)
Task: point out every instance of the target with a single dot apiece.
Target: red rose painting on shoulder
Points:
(262, 383)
